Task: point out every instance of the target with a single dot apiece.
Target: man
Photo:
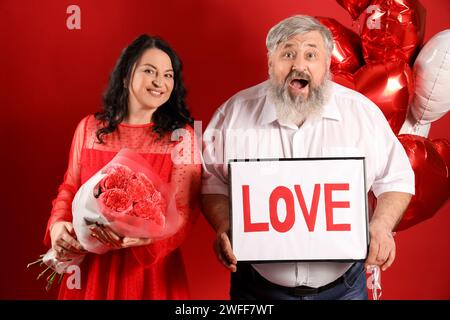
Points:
(300, 113)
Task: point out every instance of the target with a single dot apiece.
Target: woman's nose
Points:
(157, 82)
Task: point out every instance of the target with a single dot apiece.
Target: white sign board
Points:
(298, 209)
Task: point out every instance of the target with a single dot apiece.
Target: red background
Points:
(51, 77)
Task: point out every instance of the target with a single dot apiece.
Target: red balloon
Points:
(345, 79)
(347, 52)
(431, 177)
(390, 86)
(393, 29)
(354, 7)
(442, 146)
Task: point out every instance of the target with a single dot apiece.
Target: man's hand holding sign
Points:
(390, 207)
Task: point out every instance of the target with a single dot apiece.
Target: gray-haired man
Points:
(300, 113)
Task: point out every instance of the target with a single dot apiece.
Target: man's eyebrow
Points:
(287, 45)
(313, 45)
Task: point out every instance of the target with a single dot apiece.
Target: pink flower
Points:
(140, 187)
(157, 197)
(117, 177)
(124, 192)
(115, 201)
(149, 210)
(146, 181)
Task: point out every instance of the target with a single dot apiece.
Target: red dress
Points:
(154, 271)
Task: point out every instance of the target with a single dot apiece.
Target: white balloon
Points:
(412, 126)
(432, 77)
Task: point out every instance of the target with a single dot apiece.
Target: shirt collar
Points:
(268, 113)
(330, 109)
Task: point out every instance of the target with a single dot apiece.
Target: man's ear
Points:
(329, 62)
(269, 60)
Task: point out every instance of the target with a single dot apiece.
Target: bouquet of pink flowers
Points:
(128, 197)
(124, 192)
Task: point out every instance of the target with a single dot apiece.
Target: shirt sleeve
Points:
(394, 171)
(62, 204)
(215, 170)
(186, 176)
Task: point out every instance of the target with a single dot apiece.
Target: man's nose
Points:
(299, 64)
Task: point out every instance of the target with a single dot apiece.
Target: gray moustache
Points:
(297, 74)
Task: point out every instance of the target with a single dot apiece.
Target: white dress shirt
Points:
(246, 126)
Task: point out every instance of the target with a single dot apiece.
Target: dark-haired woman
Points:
(143, 106)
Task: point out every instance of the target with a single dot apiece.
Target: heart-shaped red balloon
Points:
(390, 86)
(392, 29)
(354, 7)
(347, 52)
(442, 146)
(344, 78)
(431, 178)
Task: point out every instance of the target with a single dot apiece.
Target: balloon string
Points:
(376, 283)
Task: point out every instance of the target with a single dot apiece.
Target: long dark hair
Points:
(172, 115)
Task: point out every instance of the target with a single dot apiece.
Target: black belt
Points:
(306, 291)
(302, 290)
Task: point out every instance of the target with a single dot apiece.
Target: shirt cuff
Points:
(398, 187)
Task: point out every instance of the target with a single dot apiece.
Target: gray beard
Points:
(297, 109)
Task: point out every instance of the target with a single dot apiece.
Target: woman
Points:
(143, 105)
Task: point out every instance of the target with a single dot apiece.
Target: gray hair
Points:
(294, 25)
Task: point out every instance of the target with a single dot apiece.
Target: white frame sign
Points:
(311, 209)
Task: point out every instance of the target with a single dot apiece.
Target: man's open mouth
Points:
(298, 83)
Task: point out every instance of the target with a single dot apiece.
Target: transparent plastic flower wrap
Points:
(128, 197)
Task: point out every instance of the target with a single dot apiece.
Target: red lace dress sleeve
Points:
(62, 204)
(186, 175)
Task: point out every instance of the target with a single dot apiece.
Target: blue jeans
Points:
(248, 284)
